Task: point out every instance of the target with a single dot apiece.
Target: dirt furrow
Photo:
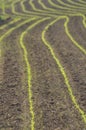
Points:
(14, 107)
(43, 70)
(37, 5)
(67, 10)
(27, 6)
(8, 11)
(18, 8)
(78, 32)
(1, 68)
(47, 4)
(71, 58)
(52, 105)
(11, 23)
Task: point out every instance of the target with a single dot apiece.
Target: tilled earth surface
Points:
(50, 99)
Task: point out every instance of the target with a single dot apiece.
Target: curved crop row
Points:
(65, 9)
(29, 71)
(66, 80)
(11, 22)
(47, 12)
(79, 6)
(75, 3)
(71, 38)
(57, 12)
(12, 29)
(81, 1)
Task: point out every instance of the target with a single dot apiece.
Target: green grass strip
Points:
(83, 2)
(5, 4)
(72, 6)
(13, 6)
(71, 38)
(47, 8)
(66, 80)
(75, 3)
(2, 6)
(37, 12)
(64, 9)
(81, 15)
(11, 22)
(56, 11)
(40, 2)
(29, 71)
(45, 12)
(30, 13)
(32, 5)
(12, 29)
(18, 13)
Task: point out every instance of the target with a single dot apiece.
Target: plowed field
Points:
(43, 65)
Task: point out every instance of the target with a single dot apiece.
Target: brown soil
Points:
(27, 6)
(72, 58)
(52, 104)
(2, 22)
(18, 8)
(4, 30)
(78, 32)
(14, 97)
(37, 5)
(8, 11)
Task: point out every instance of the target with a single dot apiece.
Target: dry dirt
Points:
(52, 104)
